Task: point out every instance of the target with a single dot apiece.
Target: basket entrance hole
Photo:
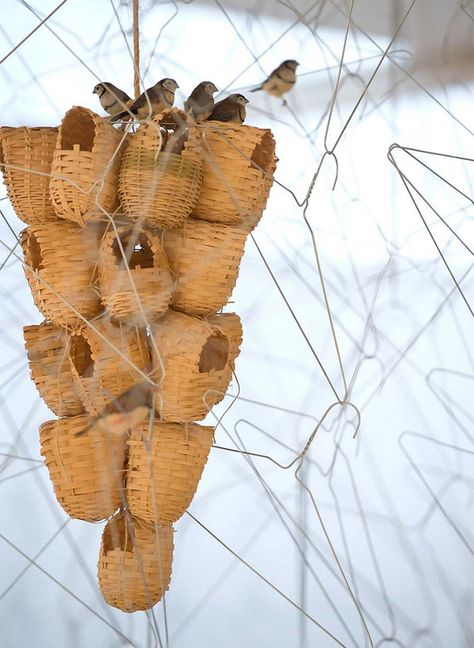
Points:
(137, 250)
(117, 535)
(214, 354)
(34, 249)
(81, 356)
(77, 128)
(263, 154)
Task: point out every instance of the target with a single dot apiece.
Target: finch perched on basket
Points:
(281, 80)
(230, 109)
(112, 99)
(152, 101)
(126, 410)
(200, 102)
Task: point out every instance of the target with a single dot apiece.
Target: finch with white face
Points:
(112, 99)
(200, 102)
(152, 101)
(281, 80)
(126, 410)
(230, 109)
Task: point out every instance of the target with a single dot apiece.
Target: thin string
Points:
(436, 244)
(265, 580)
(18, 45)
(33, 562)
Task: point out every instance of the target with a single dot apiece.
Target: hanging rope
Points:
(136, 50)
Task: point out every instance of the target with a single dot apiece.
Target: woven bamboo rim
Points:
(61, 270)
(194, 355)
(236, 160)
(47, 349)
(85, 166)
(135, 559)
(100, 373)
(251, 221)
(27, 154)
(157, 185)
(147, 267)
(164, 469)
(87, 471)
(204, 258)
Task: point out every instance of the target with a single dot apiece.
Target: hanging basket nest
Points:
(61, 270)
(164, 469)
(47, 349)
(204, 259)
(138, 288)
(160, 179)
(26, 155)
(87, 471)
(106, 361)
(192, 366)
(135, 560)
(237, 161)
(85, 167)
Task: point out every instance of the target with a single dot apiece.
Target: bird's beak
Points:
(94, 92)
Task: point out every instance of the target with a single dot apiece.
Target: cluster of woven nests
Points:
(149, 476)
(185, 217)
(152, 226)
(160, 174)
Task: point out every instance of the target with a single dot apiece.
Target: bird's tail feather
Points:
(118, 116)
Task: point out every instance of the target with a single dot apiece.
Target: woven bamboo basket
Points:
(236, 162)
(27, 154)
(192, 364)
(135, 559)
(163, 472)
(87, 471)
(100, 373)
(160, 179)
(47, 349)
(146, 266)
(61, 270)
(85, 167)
(204, 258)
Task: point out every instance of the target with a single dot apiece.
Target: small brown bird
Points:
(281, 80)
(126, 410)
(200, 102)
(152, 101)
(230, 109)
(111, 98)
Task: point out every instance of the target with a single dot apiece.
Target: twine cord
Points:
(136, 49)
